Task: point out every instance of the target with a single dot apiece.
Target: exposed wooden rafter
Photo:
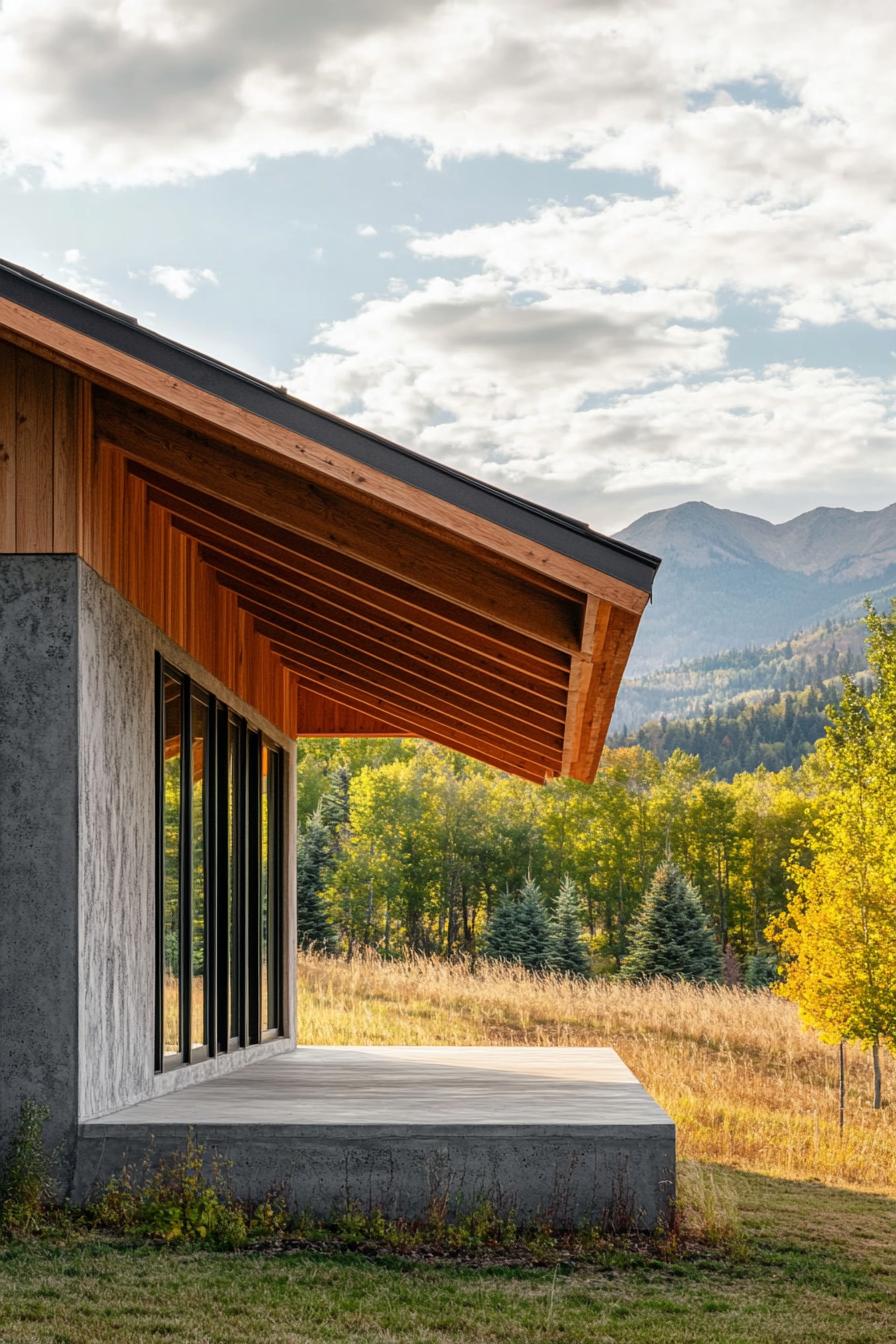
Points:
(282, 498)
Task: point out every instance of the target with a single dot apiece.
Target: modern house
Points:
(195, 569)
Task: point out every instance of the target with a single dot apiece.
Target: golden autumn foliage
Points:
(838, 935)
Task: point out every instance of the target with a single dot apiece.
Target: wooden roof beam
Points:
(472, 730)
(499, 693)
(600, 695)
(319, 716)
(419, 688)
(287, 500)
(348, 583)
(370, 704)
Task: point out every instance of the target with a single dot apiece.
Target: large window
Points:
(219, 921)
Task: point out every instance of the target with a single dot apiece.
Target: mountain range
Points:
(730, 580)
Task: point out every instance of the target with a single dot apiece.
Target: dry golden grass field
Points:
(747, 1086)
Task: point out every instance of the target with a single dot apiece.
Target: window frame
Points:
(246, 857)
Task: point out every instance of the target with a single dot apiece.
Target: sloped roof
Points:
(391, 593)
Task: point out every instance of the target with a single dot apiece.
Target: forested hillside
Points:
(745, 708)
(777, 731)
(814, 657)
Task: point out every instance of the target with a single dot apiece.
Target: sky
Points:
(612, 255)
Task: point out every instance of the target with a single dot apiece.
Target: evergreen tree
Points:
(335, 807)
(518, 931)
(670, 936)
(761, 970)
(568, 953)
(499, 942)
(313, 928)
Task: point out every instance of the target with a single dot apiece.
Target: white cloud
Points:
(152, 90)
(814, 262)
(72, 256)
(470, 346)
(796, 201)
(181, 282)
(766, 440)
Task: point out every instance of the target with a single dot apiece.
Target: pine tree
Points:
(670, 936)
(313, 928)
(499, 941)
(761, 970)
(532, 924)
(335, 805)
(518, 930)
(568, 954)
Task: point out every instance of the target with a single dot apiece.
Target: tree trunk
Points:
(465, 918)
(875, 1060)
(842, 1085)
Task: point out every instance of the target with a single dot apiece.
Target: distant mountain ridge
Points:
(729, 580)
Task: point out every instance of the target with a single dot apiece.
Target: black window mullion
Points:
(212, 855)
(253, 875)
(159, 1048)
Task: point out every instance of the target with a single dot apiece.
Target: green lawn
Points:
(819, 1264)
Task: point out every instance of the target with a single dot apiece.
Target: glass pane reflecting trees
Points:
(199, 727)
(172, 711)
(234, 940)
(269, 882)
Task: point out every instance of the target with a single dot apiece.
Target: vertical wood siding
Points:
(40, 407)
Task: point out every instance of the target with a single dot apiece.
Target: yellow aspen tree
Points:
(838, 935)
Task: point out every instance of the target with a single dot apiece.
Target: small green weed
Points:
(26, 1186)
(175, 1201)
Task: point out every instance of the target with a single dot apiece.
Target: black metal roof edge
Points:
(124, 334)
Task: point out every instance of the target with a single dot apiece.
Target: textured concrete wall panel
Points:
(38, 841)
(116, 712)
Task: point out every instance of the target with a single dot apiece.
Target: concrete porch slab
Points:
(564, 1133)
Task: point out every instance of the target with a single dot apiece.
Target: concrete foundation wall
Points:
(77, 828)
(566, 1134)
(566, 1175)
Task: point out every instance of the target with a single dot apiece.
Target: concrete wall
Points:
(116, 858)
(77, 827)
(39, 841)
